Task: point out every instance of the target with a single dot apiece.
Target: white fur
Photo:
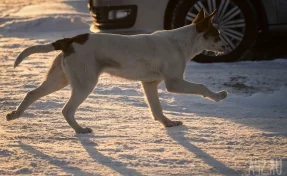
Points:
(151, 59)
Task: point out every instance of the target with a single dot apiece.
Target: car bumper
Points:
(142, 17)
(95, 29)
(114, 17)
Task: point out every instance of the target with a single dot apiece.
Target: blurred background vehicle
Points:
(252, 28)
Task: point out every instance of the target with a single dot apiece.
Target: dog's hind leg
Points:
(78, 95)
(55, 80)
(150, 89)
(82, 83)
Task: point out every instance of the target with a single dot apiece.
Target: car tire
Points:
(246, 18)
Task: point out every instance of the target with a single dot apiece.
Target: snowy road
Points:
(244, 135)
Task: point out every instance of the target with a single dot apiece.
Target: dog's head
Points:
(211, 35)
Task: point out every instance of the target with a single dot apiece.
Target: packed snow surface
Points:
(246, 134)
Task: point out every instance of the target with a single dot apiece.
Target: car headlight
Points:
(118, 14)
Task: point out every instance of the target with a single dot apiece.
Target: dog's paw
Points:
(84, 130)
(171, 123)
(221, 95)
(13, 115)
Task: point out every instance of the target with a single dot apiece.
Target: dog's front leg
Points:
(182, 86)
(150, 89)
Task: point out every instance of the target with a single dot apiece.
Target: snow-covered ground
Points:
(244, 135)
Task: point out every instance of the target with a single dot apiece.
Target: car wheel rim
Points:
(229, 20)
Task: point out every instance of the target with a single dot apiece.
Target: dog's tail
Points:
(31, 50)
(62, 44)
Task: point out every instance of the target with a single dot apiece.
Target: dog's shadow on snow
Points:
(98, 157)
(63, 164)
(178, 135)
(89, 146)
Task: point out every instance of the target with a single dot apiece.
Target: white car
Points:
(241, 22)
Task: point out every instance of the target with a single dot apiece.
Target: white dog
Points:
(149, 58)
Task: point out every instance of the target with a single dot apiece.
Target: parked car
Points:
(241, 22)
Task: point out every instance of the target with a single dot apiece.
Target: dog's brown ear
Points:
(210, 17)
(204, 24)
(200, 16)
